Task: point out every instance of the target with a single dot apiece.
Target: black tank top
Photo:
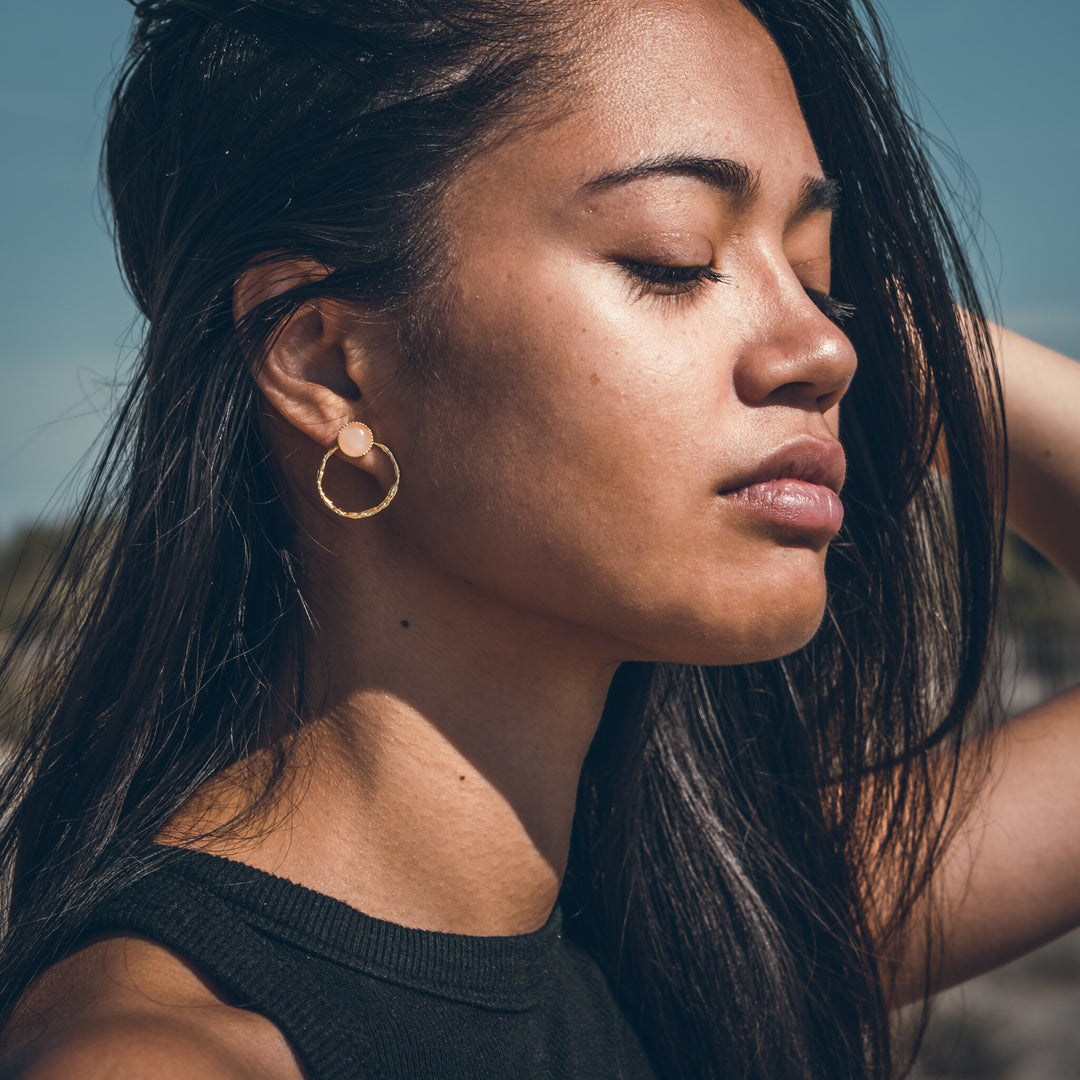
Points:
(361, 998)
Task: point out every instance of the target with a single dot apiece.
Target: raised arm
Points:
(1010, 881)
(1042, 403)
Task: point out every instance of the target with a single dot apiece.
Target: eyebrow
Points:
(817, 193)
(733, 178)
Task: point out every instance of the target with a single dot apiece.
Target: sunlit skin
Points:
(560, 508)
(617, 356)
(570, 454)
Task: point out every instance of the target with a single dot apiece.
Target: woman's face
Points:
(633, 342)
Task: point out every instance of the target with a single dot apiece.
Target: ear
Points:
(313, 372)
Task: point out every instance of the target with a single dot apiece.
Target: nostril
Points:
(808, 374)
(825, 402)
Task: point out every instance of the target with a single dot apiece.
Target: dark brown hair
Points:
(721, 855)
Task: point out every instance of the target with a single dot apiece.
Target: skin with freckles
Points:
(626, 449)
(620, 350)
(628, 341)
(571, 451)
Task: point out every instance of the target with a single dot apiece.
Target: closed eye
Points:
(662, 279)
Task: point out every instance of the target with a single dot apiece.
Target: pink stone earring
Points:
(355, 440)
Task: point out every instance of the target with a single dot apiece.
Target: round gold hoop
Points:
(387, 499)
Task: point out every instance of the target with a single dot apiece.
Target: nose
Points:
(798, 357)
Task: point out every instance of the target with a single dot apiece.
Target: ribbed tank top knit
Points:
(358, 997)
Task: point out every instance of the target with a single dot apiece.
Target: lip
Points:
(814, 461)
(796, 486)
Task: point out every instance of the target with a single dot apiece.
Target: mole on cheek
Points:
(404, 624)
(594, 378)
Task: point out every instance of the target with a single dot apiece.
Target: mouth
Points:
(797, 486)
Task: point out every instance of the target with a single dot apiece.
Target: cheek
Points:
(567, 464)
(564, 361)
(575, 411)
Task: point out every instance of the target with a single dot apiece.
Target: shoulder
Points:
(129, 1009)
(125, 1047)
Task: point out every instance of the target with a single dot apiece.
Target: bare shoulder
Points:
(127, 1008)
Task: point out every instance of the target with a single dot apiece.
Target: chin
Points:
(773, 624)
(785, 640)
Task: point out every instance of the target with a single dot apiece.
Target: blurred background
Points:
(995, 84)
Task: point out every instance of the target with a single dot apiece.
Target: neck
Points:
(435, 784)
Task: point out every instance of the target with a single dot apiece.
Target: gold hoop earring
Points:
(355, 440)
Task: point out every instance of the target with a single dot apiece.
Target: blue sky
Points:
(998, 80)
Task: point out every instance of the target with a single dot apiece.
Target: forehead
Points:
(682, 59)
(664, 78)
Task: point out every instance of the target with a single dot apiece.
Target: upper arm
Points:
(1009, 880)
(1042, 401)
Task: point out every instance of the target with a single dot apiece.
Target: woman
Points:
(459, 692)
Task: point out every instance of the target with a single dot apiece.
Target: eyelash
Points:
(681, 282)
(662, 280)
(835, 310)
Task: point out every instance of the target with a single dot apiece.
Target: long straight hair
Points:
(732, 823)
